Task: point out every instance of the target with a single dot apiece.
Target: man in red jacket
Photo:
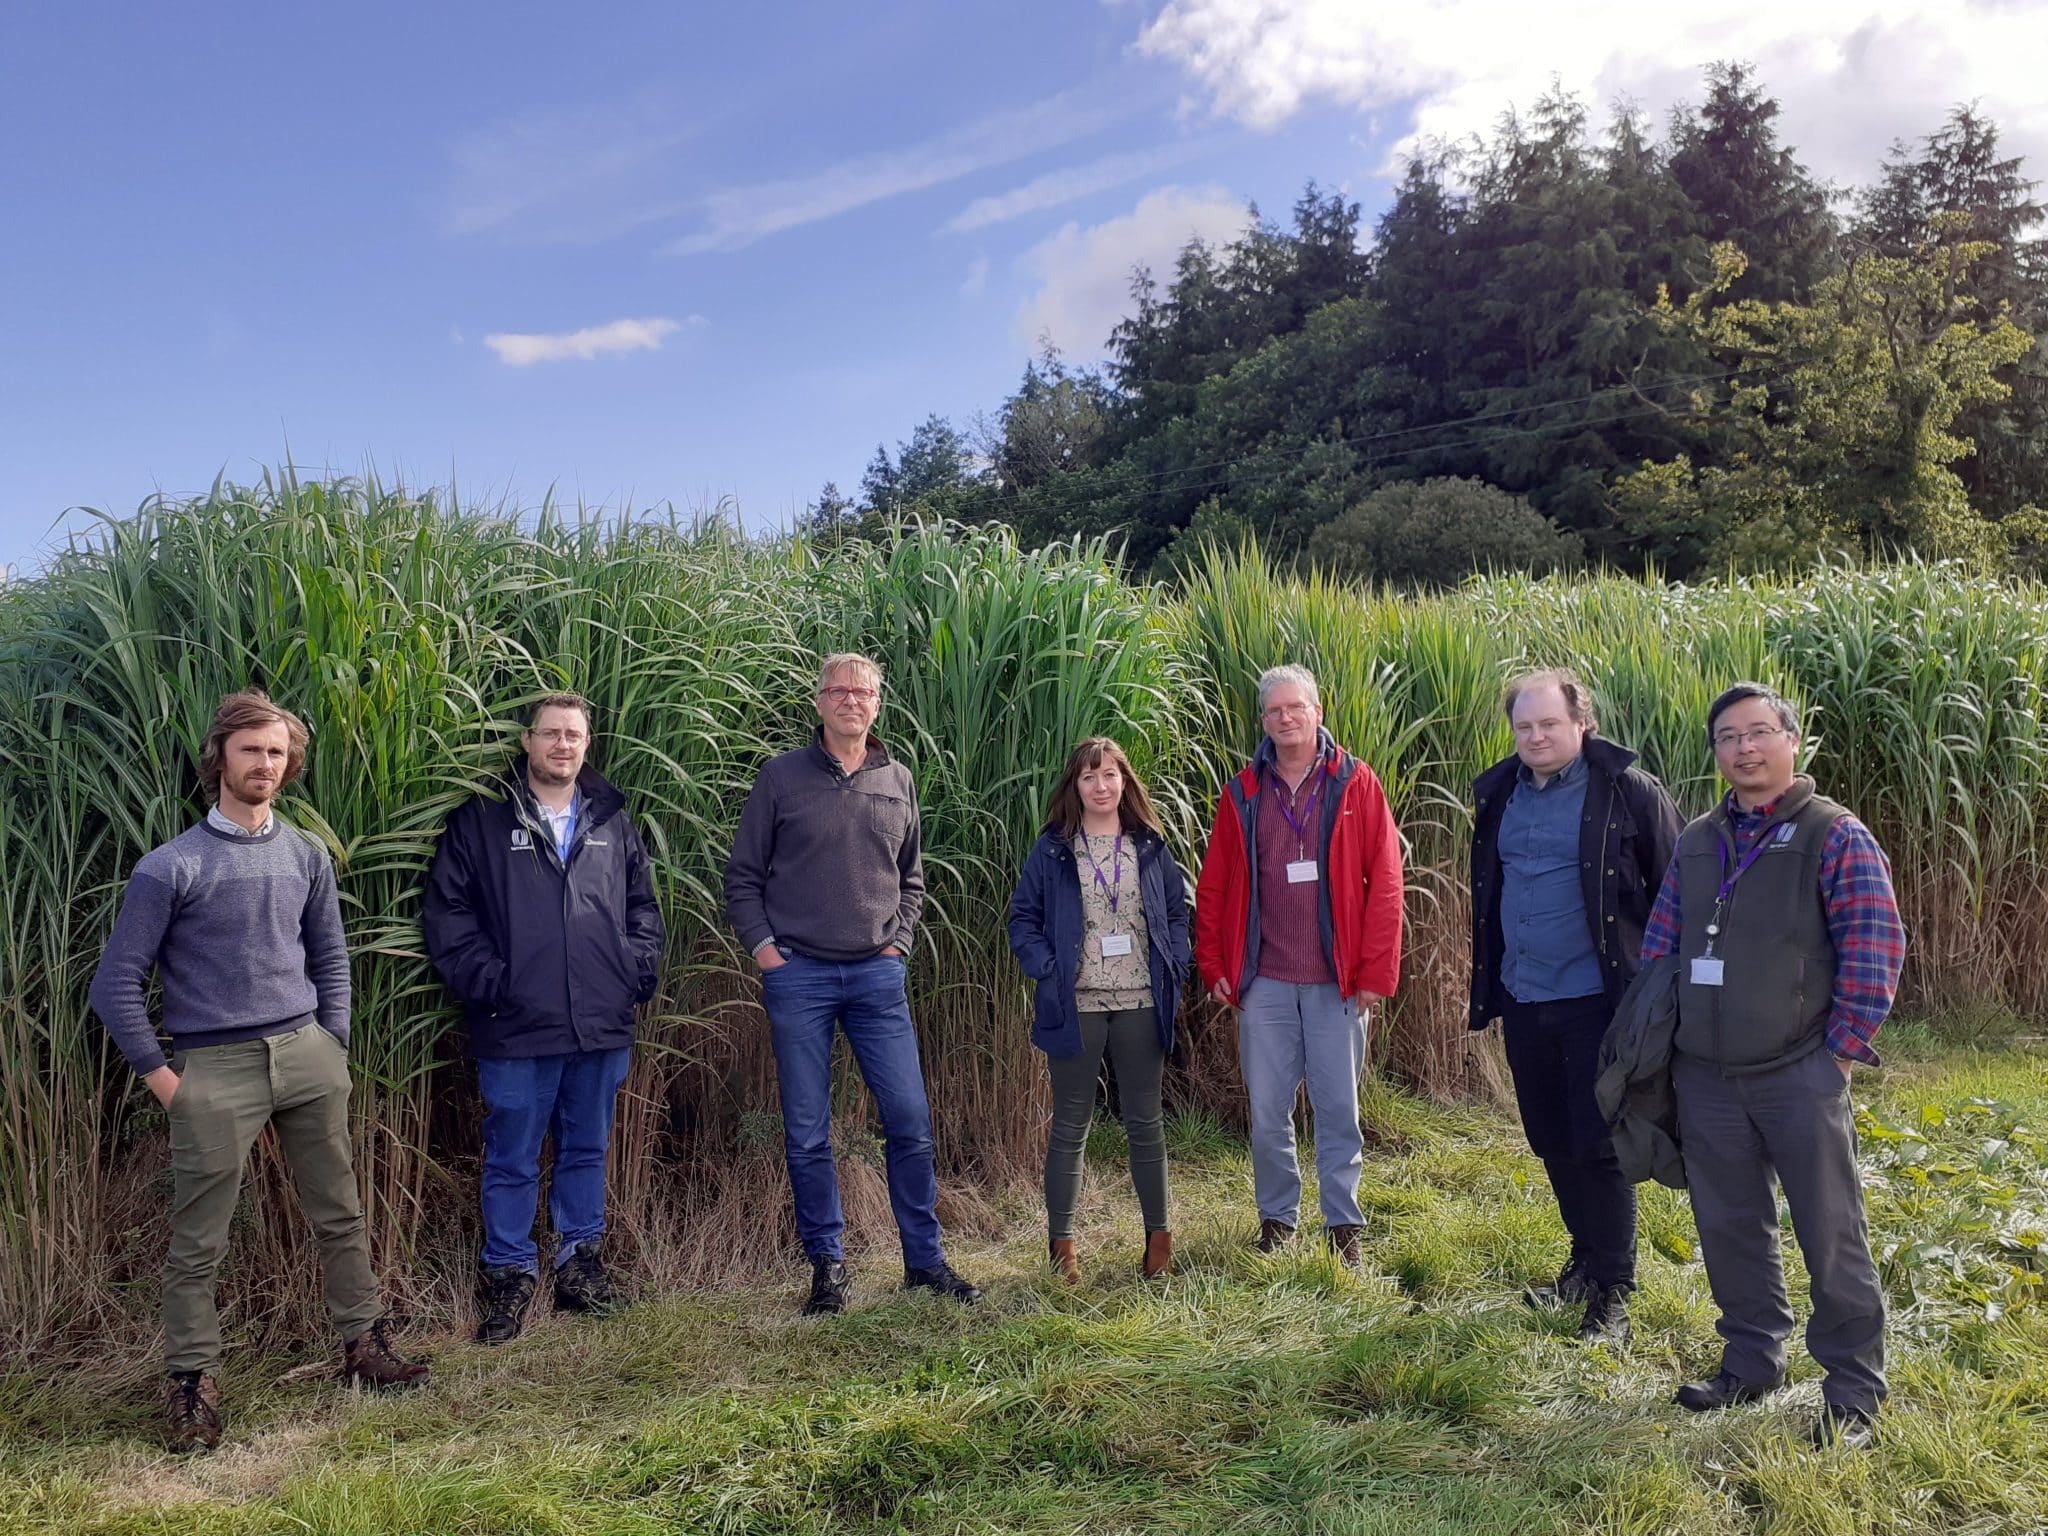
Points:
(1298, 926)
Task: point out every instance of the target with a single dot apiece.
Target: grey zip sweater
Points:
(828, 862)
(245, 933)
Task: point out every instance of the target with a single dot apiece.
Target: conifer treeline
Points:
(1679, 348)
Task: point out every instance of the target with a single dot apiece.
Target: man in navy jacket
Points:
(540, 916)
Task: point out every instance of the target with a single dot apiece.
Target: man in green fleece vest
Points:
(1779, 907)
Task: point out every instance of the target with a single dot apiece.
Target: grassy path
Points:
(1247, 1395)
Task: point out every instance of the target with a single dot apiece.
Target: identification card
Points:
(1115, 944)
(1302, 872)
(1706, 971)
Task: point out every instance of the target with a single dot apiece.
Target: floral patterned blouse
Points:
(1110, 983)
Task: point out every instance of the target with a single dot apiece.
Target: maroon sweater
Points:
(1290, 935)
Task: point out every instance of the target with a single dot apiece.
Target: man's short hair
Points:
(1289, 676)
(1578, 698)
(1788, 717)
(849, 661)
(559, 701)
(249, 710)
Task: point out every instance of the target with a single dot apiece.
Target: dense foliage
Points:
(1675, 349)
(409, 632)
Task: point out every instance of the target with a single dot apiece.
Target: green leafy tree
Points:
(1956, 188)
(1438, 532)
(1839, 429)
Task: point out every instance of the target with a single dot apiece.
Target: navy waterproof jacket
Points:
(546, 954)
(1046, 934)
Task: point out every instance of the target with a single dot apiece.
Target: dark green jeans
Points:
(1131, 1037)
(226, 1094)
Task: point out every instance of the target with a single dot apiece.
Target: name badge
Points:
(1706, 971)
(1302, 872)
(1115, 944)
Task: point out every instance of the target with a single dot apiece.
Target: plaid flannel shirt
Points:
(1863, 922)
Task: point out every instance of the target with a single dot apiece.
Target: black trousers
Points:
(1554, 1053)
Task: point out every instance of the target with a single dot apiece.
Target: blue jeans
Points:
(525, 1098)
(805, 998)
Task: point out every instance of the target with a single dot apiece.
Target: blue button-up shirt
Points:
(1547, 951)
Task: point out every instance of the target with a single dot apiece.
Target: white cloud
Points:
(1055, 189)
(519, 349)
(1850, 75)
(1084, 275)
(976, 279)
(739, 216)
(566, 175)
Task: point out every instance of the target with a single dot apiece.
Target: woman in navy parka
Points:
(1099, 921)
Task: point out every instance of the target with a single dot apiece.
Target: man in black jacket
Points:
(1569, 843)
(540, 916)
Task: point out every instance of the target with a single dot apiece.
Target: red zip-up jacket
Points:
(1358, 898)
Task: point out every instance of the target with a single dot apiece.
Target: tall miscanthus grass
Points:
(412, 633)
(1924, 690)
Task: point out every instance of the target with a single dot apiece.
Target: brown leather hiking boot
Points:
(192, 1418)
(1274, 1235)
(369, 1359)
(1158, 1254)
(1065, 1262)
(1343, 1241)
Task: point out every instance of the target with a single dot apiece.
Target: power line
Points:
(1234, 472)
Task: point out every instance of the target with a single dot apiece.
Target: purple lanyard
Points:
(1299, 827)
(1116, 878)
(1728, 880)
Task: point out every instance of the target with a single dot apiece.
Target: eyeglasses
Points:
(838, 694)
(553, 736)
(1755, 736)
(1289, 711)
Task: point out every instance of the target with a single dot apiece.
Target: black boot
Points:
(1573, 1284)
(943, 1279)
(506, 1293)
(582, 1285)
(1606, 1320)
(829, 1288)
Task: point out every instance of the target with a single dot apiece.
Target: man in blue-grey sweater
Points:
(240, 920)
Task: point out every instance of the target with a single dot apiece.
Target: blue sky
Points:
(683, 253)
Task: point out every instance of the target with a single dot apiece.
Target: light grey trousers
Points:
(1288, 1032)
(1743, 1137)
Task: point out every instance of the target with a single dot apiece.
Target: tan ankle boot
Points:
(1065, 1263)
(1158, 1254)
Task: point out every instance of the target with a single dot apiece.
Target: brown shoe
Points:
(369, 1359)
(1158, 1254)
(1065, 1262)
(1274, 1235)
(192, 1420)
(1343, 1241)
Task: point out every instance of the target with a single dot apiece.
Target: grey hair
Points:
(849, 661)
(1788, 717)
(1289, 675)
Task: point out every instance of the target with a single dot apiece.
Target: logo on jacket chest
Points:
(521, 838)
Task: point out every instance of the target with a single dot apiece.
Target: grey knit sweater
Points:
(245, 933)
